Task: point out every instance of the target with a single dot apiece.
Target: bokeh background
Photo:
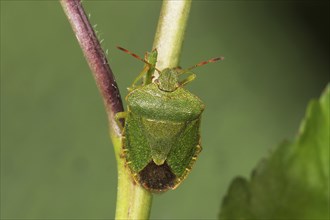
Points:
(57, 160)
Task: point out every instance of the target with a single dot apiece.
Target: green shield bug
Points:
(161, 135)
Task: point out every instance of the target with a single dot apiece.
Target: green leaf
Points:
(293, 183)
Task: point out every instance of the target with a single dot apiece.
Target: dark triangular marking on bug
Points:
(157, 178)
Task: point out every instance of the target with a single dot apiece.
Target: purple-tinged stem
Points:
(96, 60)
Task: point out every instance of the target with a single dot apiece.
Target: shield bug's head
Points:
(168, 80)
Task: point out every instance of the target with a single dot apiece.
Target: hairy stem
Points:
(96, 60)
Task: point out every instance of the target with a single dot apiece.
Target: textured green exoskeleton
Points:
(161, 136)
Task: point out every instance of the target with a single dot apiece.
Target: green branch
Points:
(135, 202)
(168, 42)
(170, 32)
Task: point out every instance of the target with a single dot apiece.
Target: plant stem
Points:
(168, 41)
(170, 32)
(96, 60)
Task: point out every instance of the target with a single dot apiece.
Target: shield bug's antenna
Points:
(213, 60)
(138, 57)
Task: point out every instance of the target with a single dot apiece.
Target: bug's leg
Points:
(148, 69)
(152, 59)
(187, 80)
(119, 116)
(141, 74)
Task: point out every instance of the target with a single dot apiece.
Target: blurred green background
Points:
(57, 160)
